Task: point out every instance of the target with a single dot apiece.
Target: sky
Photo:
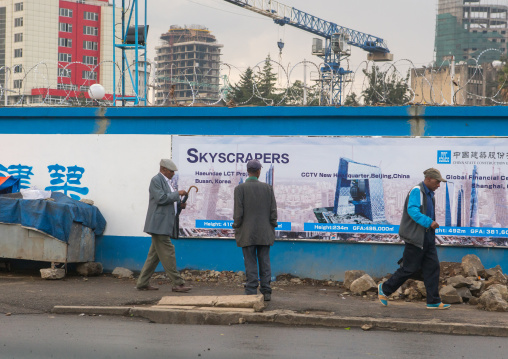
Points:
(407, 26)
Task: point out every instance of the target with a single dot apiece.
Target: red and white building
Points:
(55, 49)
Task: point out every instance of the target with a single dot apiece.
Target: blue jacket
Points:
(415, 222)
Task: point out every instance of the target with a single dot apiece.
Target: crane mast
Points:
(337, 38)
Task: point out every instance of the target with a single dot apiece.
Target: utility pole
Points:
(452, 77)
(304, 82)
(6, 82)
(5, 86)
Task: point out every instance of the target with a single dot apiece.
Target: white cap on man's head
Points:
(169, 164)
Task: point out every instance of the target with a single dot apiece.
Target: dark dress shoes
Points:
(148, 287)
(181, 288)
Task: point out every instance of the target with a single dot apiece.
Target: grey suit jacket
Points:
(160, 218)
(255, 214)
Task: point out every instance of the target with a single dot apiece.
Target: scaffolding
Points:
(137, 47)
(465, 29)
(187, 66)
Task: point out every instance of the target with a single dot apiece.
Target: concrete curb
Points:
(284, 317)
(63, 309)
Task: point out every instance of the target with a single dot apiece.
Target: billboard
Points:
(348, 188)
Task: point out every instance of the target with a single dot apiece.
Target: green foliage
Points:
(266, 81)
(385, 88)
(351, 100)
(502, 79)
(242, 91)
(259, 89)
(81, 100)
(294, 96)
(264, 92)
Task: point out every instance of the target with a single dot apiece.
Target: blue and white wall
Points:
(118, 150)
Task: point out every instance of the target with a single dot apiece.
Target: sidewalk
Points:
(296, 304)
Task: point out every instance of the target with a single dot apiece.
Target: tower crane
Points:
(337, 38)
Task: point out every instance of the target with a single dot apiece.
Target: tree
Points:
(242, 91)
(385, 88)
(266, 81)
(294, 95)
(351, 100)
(257, 89)
(502, 80)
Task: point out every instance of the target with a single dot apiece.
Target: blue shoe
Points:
(382, 297)
(438, 306)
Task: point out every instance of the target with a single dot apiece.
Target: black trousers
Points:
(254, 255)
(415, 258)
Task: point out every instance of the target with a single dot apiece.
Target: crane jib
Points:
(286, 15)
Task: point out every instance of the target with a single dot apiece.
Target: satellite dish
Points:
(96, 92)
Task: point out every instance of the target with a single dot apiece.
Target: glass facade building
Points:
(466, 28)
(474, 220)
(460, 198)
(450, 195)
(269, 175)
(359, 191)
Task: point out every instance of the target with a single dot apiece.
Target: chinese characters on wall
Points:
(62, 179)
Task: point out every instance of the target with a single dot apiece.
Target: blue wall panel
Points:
(318, 260)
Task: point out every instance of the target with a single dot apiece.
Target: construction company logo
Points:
(444, 156)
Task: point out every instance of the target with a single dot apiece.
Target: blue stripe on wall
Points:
(318, 260)
(276, 121)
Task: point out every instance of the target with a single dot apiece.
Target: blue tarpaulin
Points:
(52, 217)
(9, 184)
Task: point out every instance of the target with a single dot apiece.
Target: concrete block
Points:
(199, 301)
(228, 301)
(379, 56)
(224, 309)
(52, 273)
(179, 307)
(120, 272)
(89, 269)
(239, 301)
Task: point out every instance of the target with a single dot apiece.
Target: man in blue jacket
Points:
(417, 230)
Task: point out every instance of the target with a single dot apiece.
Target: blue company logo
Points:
(444, 156)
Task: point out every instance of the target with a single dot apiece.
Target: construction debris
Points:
(488, 290)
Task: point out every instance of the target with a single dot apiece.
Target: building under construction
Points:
(466, 28)
(187, 66)
(459, 84)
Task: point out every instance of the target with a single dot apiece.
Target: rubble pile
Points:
(465, 282)
(207, 276)
(239, 278)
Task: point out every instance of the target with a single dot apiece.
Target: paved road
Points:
(64, 336)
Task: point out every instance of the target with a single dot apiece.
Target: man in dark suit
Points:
(161, 225)
(255, 220)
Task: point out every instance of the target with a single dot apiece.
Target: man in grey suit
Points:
(255, 219)
(161, 225)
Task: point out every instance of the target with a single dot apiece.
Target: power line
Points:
(231, 12)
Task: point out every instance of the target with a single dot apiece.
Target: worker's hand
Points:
(182, 192)
(434, 225)
(183, 205)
